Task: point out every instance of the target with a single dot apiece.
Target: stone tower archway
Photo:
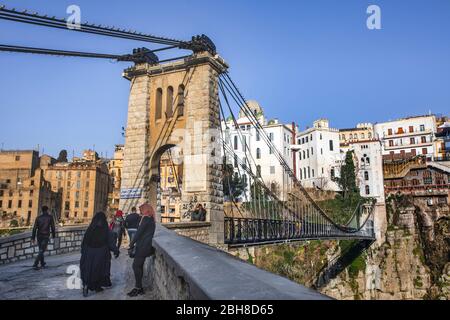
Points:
(175, 105)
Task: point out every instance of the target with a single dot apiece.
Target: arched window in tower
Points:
(258, 153)
(169, 102)
(367, 190)
(236, 146)
(158, 104)
(180, 100)
(366, 175)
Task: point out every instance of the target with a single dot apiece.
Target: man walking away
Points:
(132, 223)
(143, 242)
(43, 225)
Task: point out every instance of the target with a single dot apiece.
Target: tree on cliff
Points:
(347, 178)
(233, 184)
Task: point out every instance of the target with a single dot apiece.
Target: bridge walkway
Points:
(18, 281)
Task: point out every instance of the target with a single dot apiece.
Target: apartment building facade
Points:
(408, 137)
(23, 187)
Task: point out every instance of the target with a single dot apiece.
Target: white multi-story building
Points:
(320, 156)
(317, 154)
(408, 137)
(369, 167)
(249, 145)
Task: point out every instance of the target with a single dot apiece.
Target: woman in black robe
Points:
(95, 260)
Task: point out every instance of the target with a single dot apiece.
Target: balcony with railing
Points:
(405, 133)
(407, 143)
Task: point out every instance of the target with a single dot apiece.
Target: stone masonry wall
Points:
(198, 231)
(19, 247)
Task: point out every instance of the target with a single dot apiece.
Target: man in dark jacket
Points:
(199, 214)
(132, 223)
(43, 225)
(143, 242)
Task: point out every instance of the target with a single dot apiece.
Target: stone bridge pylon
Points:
(175, 105)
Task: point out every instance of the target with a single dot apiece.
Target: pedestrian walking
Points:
(43, 226)
(118, 227)
(132, 221)
(96, 247)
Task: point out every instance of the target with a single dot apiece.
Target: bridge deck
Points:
(19, 281)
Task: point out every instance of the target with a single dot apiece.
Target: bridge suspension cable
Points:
(196, 44)
(290, 217)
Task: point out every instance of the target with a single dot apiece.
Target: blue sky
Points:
(300, 59)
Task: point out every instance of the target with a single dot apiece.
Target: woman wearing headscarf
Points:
(118, 227)
(95, 262)
(142, 246)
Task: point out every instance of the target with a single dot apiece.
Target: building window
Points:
(77, 204)
(32, 183)
(17, 158)
(320, 136)
(158, 104)
(369, 135)
(423, 139)
(9, 204)
(258, 137)
(272, 169)
(180, 104)
(236, 146)
(331, 145)
(258, 153)
(30, 203)
(367, 190)
(332, 173)
(389, 132)
(412, 141)
(67, 205)
(312, 151)
(309, 172)
(244, 143)
(271, 136)
(86, 204)
(422, 127)
(19, 204)
(427, 177)
(301, 176)
(307, 153)
(312, 173)
(169, 102)
(85, 214)
(1, 203)
(366, 175)
(424, 151)
(88, 174)
(31, 193)
(411, 129)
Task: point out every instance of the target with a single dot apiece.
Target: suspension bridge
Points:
(199, 93)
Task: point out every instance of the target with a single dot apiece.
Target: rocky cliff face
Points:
(410, 261)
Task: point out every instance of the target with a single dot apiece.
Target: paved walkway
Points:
(56, 281)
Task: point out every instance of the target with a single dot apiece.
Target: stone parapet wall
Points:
(198, 231)
(19, 247)
(189, 270)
